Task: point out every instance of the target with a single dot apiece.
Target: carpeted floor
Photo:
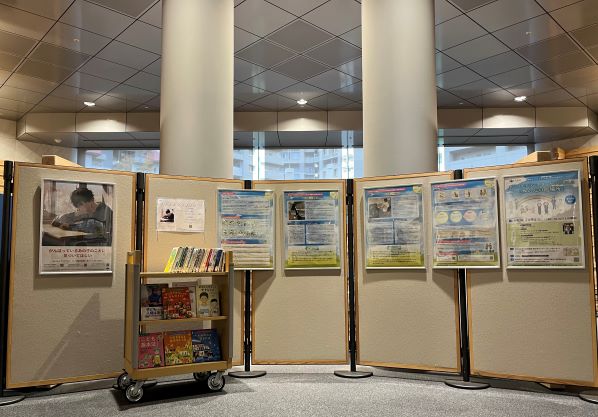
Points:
(306, 395)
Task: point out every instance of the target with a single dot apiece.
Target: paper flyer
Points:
(180, 215)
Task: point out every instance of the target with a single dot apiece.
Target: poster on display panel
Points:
(311, 229)
(465, 224)
(76, 227)
(544, 220)
(246, 227)
(394, 227)
(180, 215)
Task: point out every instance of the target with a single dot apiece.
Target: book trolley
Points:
(209, 374)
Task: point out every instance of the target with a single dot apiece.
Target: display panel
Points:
(465, 224)
(76, 227)
(544, 221)
(394, 227)
(311, 229)
(246, 227)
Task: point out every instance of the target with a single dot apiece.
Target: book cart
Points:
(209, 374)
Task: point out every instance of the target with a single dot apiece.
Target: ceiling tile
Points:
(132, 8)
(154, 68)
(467, 5)
(130, 93)
(335, 52)
(90, 82)
(327, 16)
(19, 94)
(446, 99)
(144, 36)
(555, 4)
(577, 15)
(145, 81)
(301, 91)
(329, 101)
(303, 139)
(444, 11)
(542, 85)
(243, 39)
(260, 17)
(250, 107)
(75, 39)
(10, 115)
(477, 49)
(265, 53)
(275, 102)
(127, 55)
(498, 64)
(58, 56)
(298, 8)
(47, 8)
(456, 77)
(145, 135)
(270, 81)
(499, 98)
(565, 63)
(62, 104)
(445, 63)
(298, 107)
(456, 31)
(548, 48)
(299, 36)
(351, 92)
(353, 36)
(43, 70)
(29, 83)
(593, 51)
(517, 76)
(116, 104)
(301, 68)
(549, 98)
(8, 62)
(154, 15)
(331, 80)
(529, 31)
(587, 36)
(15, 44)
(107, 69)
(96, 19)
(474, 89)
(353, 68)
(23, 23)
(503, 13)
(14, 105)
(75, 94)
(245, 70)
(248, 93)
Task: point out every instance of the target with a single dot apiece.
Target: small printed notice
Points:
(465, 224)
(180, 215)
(544, 221)
(394, 227)
(311, 220)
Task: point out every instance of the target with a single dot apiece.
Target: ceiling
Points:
(55, 54)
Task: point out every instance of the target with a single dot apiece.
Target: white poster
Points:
(180, 215)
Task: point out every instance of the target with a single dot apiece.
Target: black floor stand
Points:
(352, 373)
(6, 397)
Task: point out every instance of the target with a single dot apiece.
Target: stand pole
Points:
(6, 397)
(353, 373)
(592, 396)
(465, 382)
(139, 207)
(247, 342)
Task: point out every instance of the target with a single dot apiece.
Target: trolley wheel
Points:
(201, 376)
(123, 381)
(215, 382)
(133, 393)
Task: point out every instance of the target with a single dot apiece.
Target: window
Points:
(136, 160)
(451, 158)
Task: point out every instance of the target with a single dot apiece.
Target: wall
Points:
(569, 144)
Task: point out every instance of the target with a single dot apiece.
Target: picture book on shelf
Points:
(187, 259)
(151, 301)
(171, 259)
(206, 346)
(178, 348)
(192, 285)
(176, 303)
(151, 351)
(208, 300)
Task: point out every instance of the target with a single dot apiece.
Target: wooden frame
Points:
(358, 252)
(17, 168)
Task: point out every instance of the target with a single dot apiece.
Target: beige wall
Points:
(569, 144)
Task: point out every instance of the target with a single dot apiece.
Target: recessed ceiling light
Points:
(57, 140)
(528, 33)
(76, 40)
(460, 103)
(89, 103)
(520, 99)
(302, 102)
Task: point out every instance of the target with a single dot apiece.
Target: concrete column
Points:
(399, 87)
(196, 114)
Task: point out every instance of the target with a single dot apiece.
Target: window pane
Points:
(136, 160)
(450, 158)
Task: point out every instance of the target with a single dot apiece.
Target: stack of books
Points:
(178, 348)
(187, 259)
(182, 300)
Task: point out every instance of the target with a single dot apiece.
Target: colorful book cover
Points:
(151, 301)
(171, 259)
(206, 346)
(191, 285)
(208, 300)
(178, 348)
(176, 303)
(151, 350)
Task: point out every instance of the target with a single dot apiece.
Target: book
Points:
(206, 346)
(187, 259)
(208, 300)
(176, 303)
(191, 285)
(151, 301)
(178, 348)
(151, 351)
(171, 259)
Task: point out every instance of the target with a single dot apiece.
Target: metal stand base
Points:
(11, 399)
(459, 383)
(589, 396)
(247, 374)
(353, 374)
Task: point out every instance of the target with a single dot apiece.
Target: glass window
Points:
(450, 158)
(136, 160)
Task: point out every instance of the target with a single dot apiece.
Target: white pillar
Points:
(196, 106)
(399, 87)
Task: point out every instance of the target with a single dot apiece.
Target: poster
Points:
(465, 224)
(544, 221)
(77, 227)
(311, 229)
(246, 227)
(394, 227)
(180, 215)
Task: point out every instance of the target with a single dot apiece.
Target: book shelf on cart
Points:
(209, 373)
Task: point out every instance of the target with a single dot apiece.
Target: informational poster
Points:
(544, 221)
(465, 224)
(394, 227)
(311, 229)
(77, 227)
(246, 227)
(180, 215)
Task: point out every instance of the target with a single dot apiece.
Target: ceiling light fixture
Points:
(89, 103)
(57, 140)
(520, 99)
(302, 102)
(76, 40)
